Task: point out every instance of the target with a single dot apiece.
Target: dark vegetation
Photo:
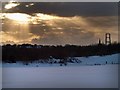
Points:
(29, 53)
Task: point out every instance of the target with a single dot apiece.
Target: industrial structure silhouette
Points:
(107, 39)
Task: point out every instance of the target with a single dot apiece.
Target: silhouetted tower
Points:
(99, 41)
(107, 38)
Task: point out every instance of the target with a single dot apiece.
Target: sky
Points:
(58, 23)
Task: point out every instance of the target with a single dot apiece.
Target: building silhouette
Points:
(107, 38)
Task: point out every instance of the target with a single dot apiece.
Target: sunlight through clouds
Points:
(18, 17)
(43, 28)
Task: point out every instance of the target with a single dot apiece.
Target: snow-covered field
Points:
(0, 77)
(93, 60)
(74, 75)
(105, 76)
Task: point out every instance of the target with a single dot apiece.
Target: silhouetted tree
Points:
(29, 53)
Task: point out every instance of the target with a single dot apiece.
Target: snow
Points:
(98, 60)
(74, 75)
(0, 77)
(104, 76)
(1, 74)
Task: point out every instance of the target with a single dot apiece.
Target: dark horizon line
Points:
(58, 44)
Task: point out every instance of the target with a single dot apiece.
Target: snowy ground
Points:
(0, 77)
(104, 76)
(74, 75)
(93, 60)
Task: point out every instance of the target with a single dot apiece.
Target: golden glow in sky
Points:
(51, 29)
(25, 18)
(57, 23)
(18, 17)
(42, 16)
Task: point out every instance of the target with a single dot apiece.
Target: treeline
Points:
(28, 52)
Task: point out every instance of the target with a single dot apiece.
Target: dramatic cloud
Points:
(67, 8)
(60, 23)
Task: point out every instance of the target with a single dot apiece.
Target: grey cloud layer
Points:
(69, 9)
(84, 23)
(76, 30)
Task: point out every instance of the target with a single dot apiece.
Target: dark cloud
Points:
(68, 38)
(70, 30)
(69, 8)
(40, 30)
(105, 21)
(84, 23)
(50, 39)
